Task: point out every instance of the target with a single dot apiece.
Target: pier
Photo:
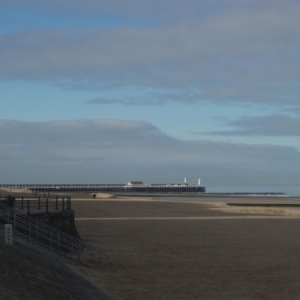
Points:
(110, 188)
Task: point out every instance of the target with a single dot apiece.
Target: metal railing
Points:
(42, 204)
(72, 248)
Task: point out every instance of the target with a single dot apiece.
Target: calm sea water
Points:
(289, 190)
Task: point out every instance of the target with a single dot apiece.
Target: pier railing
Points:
(38, 204)
(72, 248)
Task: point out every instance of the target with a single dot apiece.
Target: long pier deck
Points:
(120, 188)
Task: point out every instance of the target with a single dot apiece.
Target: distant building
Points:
(136, 184)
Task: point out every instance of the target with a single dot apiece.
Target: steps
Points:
(46, 239)
(33, 244)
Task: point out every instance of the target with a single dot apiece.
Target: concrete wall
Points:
(63, 220)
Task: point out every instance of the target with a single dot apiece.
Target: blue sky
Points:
(112, 91)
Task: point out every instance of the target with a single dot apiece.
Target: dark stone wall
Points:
(62, 220)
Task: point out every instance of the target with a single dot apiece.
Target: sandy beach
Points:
(193, 248)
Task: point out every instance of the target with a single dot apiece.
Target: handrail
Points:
(41, 203)
(56, 239)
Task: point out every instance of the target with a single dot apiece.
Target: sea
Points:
(287, 190)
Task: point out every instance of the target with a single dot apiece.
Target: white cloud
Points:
(241, 54)
(115, 150)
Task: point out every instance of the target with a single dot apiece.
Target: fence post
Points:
(39, 202)
(63, 203)
(28, 208)
(22, 206)
(8, 234)
(37, 232)
(79, 250)
(56, 203)
(46, 204)
(11, 201)
(14, 220)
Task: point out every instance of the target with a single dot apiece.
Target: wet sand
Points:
(192, 248)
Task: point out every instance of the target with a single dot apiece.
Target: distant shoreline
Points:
(237, 194)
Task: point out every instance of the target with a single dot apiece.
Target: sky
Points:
(101, 91)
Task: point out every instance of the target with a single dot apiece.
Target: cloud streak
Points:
(273, 125)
